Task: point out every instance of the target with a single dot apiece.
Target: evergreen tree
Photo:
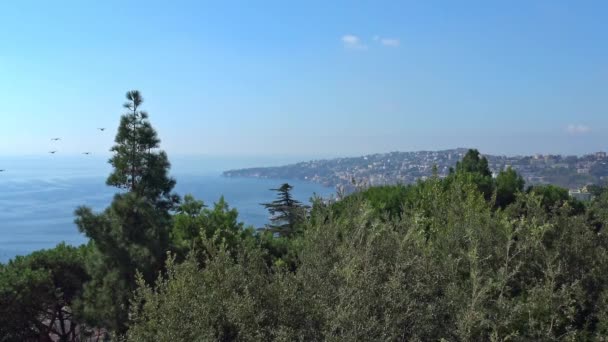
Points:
(475, 167)
(194, 224)
(138, 167)
(553, 197)
(286, 212)
(508, 184)
(473, 162)
(132, 235)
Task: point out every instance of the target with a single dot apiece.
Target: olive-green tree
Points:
(194, 224)
(554, 197)
(449, 267)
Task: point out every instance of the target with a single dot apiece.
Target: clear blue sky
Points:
(307, 78)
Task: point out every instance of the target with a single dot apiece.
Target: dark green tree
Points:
(475, 167)
(508, 184)
(596, 190)
(138, 166)
(132, 235)
(37, 292)
(473, 162)
(194, 224)
(286, 212)
(387, 201)
(187, 225)
(554, 197)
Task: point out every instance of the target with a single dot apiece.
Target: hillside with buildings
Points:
(571, 172)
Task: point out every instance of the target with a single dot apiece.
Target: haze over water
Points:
(38, 195)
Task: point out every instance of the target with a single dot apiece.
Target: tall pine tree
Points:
(286, 212)
(132, 235)
(138, 167)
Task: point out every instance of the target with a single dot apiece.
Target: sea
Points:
(38, 194)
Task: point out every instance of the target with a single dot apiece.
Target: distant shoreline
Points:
(408, 167)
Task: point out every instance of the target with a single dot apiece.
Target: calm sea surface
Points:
(38, 195)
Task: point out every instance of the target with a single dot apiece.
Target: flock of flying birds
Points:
(57, 139)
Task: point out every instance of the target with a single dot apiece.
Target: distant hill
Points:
(407, 167)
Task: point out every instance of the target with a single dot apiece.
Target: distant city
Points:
(572, 172)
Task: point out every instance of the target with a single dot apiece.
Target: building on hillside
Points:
(580, 194)
(536, 180)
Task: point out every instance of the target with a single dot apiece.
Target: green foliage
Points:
(187, 224)
(195, 227)
(554, 197)
(193, 224)
(225, 301)
(37, 292)
(551, 195)
(473, 162)
(474, 168)
(138, 167)
(596, 190)
(447, 267)
(508, 185)
(385, 200)
(597, 211)
(133, 233)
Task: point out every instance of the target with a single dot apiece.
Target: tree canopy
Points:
(37, 292)
(508, 185)
(194, 225)
(473, 162)
(450, 267)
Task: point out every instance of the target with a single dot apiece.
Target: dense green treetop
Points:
(508, 184)
(475, 168)
(37, 292)
(473, 162)
(450, 267)
(194, 224)
(553, 197)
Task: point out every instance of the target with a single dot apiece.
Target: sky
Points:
(307, 78)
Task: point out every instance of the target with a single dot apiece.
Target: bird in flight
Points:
(2, 170)
(102, 129)
(87, 153)
(52, 152)
(56, 139)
